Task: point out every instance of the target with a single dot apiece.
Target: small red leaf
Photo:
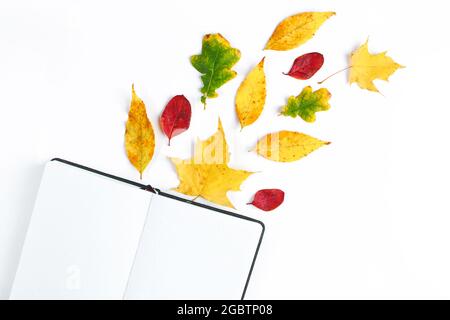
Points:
(176, 117)
(268, 199)
(305, 66)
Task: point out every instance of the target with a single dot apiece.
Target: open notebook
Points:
(96, 236)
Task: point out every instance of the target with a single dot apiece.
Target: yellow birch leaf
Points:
(296, 30)
(139, 135)
(366, 67)
(251, 96)
(287, 146)
(207, 174)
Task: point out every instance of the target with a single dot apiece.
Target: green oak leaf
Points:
(307, 103)
(215, 63)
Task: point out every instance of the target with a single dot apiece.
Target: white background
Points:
(365, 217)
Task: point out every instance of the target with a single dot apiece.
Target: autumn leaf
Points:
(305, 66)
(176, 116)
(366, 67)
(212, 150)
(207, 174)
(209, 181)
(296, 30)
(139, 135)
(215, 63)
(287, 146)
(251, 96)
(307, 103)
(268, 199)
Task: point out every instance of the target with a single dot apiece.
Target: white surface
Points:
(83, 237)
(365, 217)
(188, 252)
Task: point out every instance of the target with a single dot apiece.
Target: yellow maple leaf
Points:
(212, 150)
(366, 67)
(296, 30)
(209, 181)
(287, 146)
(251, 96)
(139, 135)
(207, 174)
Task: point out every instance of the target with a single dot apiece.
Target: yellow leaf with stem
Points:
(366, 67)
(287, 146)
(139, 135)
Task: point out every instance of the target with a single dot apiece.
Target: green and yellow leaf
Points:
(307, 103)
(215, 63)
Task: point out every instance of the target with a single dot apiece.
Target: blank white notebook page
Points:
(189, 252)
(82, 238)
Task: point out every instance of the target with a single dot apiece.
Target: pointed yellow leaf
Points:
(251, 96)
(296, 30)
(207, 174)
(366, 67)
(287, 146)
(213, 150)
(139, 135)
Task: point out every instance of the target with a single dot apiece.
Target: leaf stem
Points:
(320, 82)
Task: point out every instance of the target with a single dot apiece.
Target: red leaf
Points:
(176, 116)
(305, 66)
(268, 199)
